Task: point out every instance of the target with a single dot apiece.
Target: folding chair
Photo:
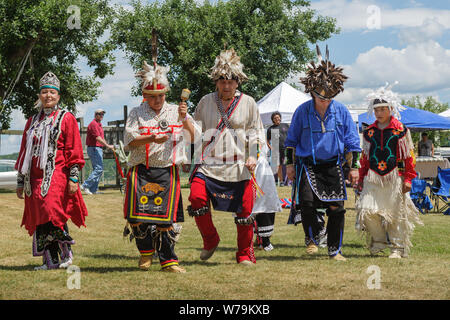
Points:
(440, 191)
(419, 196)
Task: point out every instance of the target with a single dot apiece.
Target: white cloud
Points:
(419, 68)
(430, 29)
(354, 14)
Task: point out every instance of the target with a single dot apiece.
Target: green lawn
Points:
(108, 263)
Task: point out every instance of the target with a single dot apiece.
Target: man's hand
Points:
(73, 187)
(182, 110)
(251, 164)
(160, 139)
(353, 177)
(19, 192)
(360, 186)
(406, 187)
(290, 172)
(186, 167)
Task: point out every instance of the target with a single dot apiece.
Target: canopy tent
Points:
(414, 119)
(283, 98)
(446, 113)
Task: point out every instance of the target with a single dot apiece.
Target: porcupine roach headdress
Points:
(324, 80)
(154, 78)
(228, 66)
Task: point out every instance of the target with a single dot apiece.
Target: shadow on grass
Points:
(109, 269)
(275, 258)
(29, 267)
(110, 256)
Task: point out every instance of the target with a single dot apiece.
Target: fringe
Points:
(405, 146)
(409, 217)
(382, 181)
(405, 219)
(366, 147)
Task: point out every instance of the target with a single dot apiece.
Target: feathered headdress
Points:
(384, 97)
(154, 79)
(228, 66)
(324, 80)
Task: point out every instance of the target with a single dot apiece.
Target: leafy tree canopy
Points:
(271, 36)
(59, 33)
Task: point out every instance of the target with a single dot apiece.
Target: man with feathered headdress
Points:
(223, 173)
(384, 208)
(321, 138)
(155, 133)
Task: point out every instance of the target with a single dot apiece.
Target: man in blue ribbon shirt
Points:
(322, 137)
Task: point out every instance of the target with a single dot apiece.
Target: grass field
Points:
(108, 263)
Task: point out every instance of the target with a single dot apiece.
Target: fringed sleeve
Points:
(405, 146)
(73, 149)
(365, 146)
(406, 153)
(23, 145)
(364, 166)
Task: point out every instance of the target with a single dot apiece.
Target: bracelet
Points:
(73, 179)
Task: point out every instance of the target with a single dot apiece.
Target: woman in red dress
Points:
(50, 158)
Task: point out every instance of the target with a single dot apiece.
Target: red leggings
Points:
(199, 198)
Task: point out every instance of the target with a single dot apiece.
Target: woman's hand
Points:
(290, 172)
(19, 192)
(73, 187)
(251, 164)
(406, 187)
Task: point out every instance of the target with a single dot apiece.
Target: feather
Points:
(319, 54)
(324, 76)
(154, 46)
(148, 74)
(228, 65)
(385, 93)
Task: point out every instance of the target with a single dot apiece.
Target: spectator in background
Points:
(426, 147)
(276, 134)
(95, 141)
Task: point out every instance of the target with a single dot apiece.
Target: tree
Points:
(56, 34)
(271, 36)
(432, 105)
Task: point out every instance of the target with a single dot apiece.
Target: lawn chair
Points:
(419, 196)
(440, 191)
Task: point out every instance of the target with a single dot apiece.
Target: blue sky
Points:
(380, 41)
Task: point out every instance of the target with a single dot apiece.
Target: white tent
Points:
(283, 98)
(446, 113)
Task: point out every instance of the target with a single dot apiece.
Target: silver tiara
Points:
(49, 80)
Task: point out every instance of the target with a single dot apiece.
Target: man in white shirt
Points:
(232, 130)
